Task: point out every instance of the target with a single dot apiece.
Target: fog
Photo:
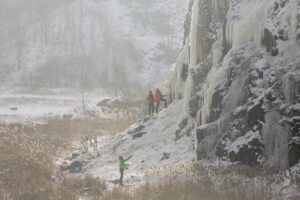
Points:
(87, 43)
(149, 99)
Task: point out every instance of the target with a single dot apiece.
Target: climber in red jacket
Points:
(158, 98)
(150, 101)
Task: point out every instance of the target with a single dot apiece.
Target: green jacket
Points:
(122, 162)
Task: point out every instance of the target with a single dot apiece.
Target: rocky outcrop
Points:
(242, 89)
(137, 132)
(110, 108)
(276, 136)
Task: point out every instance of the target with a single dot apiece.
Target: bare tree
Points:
(84, 83)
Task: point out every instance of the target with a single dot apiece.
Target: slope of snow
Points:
(147, 151)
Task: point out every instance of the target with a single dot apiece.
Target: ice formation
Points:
(243, 82)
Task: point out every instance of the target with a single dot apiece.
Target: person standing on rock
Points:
(162, 98)
(158, 98)
(150, 100)
(122, 167)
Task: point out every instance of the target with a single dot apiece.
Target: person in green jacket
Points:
(122, 167)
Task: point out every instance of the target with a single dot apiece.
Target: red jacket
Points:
(150, 99)
(157, 97)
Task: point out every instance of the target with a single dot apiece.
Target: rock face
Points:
(242, 89)
(277, 137)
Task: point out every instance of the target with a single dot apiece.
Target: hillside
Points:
(88, 42)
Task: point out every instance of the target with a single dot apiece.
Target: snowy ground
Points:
(147, 166)
(147, 151)
(31, 108)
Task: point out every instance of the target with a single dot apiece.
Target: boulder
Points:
(177, 134)
(104, 102)
(294, 153)
(13, 108)
(165, 156)
(206, 136)
(138, 135)
(75, 155)
(255, 115)
(249, 154)
(67, 116)
(183, 123)
(269, 42)
(136, 130)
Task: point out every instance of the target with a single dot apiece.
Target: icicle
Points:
(193, 34)
(248, 26)
(295, 9)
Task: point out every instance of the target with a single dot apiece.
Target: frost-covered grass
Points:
(27, 170)
(70, 130)
(28, 157)
(188, 181)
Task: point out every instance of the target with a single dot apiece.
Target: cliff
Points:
(242, 87)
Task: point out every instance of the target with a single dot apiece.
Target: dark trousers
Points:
(165, 101)
(157, 106)
(121, 175)
(151, 109)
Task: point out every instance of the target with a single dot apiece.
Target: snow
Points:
(147, 151)
(243, 140)
(33, 107)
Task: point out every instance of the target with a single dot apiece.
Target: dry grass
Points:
(88, 187)
(205, 189)
(188, 190)
(66, 131)
(188, 181)
(27, 171)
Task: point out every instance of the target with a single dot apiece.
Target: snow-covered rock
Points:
(244, 80)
